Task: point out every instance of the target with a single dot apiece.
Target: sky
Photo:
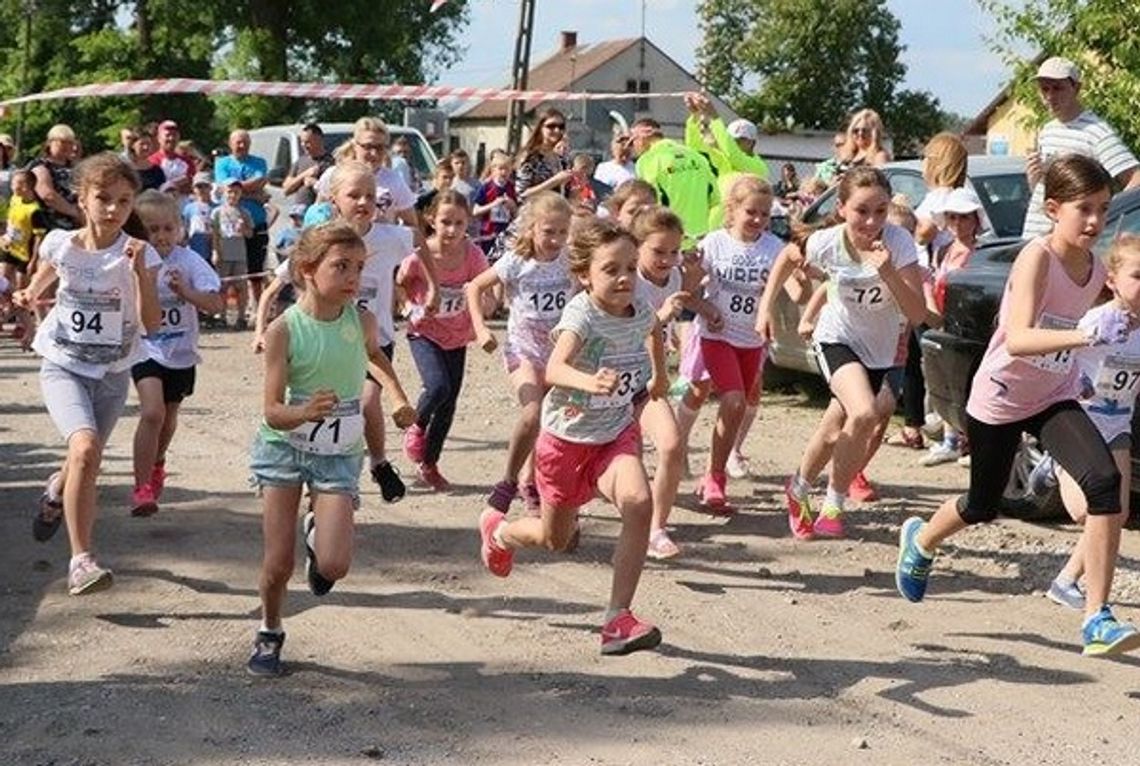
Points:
(946, 49)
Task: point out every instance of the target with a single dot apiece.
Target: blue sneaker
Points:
(913, 568)
(265, 660)
(1069, 595)
(1103, 635)
(1043, 477)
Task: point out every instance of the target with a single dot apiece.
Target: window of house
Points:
(638, 86)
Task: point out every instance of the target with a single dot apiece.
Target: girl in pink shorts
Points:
(607, 354)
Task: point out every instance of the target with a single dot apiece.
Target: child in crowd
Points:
(1026, 383)
(106, 300)
(287, 236)
(628, 200)
(26, 226)
(496, 202)
(197, 216)
(186, 285)
(580, 187)
(316, 356)
(535, 277)
(231, 226)
(438, 340)
(607, 355)
(441, 180)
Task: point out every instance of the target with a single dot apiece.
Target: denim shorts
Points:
(280, 464)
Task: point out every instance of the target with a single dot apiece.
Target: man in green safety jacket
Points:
(682, 178)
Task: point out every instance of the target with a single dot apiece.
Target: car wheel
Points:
(1019, 501)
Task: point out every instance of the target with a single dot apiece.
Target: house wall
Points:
(1006, 131)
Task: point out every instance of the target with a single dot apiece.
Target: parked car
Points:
(951, 354)
(1002, 187)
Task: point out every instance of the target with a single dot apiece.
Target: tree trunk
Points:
(270, 19)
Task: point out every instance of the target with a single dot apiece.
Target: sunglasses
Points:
(861, 131)
(555, 126)
(371, 147)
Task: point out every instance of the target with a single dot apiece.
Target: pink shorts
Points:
(692, 366)
(732, 368)
(567, 472)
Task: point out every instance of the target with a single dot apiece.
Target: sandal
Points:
(907, 437)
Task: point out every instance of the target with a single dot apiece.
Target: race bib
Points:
(1118, 378)
(500, 214)
(175, 313)
(452, 301)
(737, 303)
(89, 319)
(1058, 362)
(545, 301)
(337, 434)
(366, 298)
(630, 369)
(864, 293)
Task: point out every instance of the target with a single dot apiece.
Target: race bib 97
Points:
(1118, 378)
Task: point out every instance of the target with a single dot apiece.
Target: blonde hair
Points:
(60, 132)
(1125, 243)
(348, 171)
(102, 170)
(587, 236)
(870, 118)
(542, 205)
(900, 213)
(653, 219)
(945, 161)
(154, 203)
(743, 187)
(363, 125)
(314, 245)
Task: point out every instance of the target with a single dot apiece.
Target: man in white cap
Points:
(1073, 130)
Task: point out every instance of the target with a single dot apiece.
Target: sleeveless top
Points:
(61, 180)
(1008, 388)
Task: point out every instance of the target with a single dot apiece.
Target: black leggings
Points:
(914, 385)
(1071, 438)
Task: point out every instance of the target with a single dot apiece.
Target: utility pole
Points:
(520, 68)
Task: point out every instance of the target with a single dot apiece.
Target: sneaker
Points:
(391, 486)
(1069, 595)
(532, 499)
(143, 501)
(661, 546)
(738, 466)
(158, 478)
(84, 576)
(50, 515)
(964, 461)
(829, 523)
(317, 582)
(430, 476)
(497, 559)
(501, 496)
(415, 443)
(1103, 635)
(933, 426)
(711, 494)
(1043, 477)
(265, 660)
(799, 512)
(625, 633)
(861, 490)
(913, 568)
(940, 453)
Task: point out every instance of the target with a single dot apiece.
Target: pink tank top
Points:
(1007, 388)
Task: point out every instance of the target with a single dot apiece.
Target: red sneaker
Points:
(625, 633)
(430, 475)
(497, 559)
(711, 493)
(415, 443)
(158, 478)
(143, 501)
(799, 512)
(861, 490)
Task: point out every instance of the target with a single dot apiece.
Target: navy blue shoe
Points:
(913, 568)
(317, 582)
(1103, 635)
(265, 660)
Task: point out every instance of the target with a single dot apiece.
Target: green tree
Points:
(1100, 35)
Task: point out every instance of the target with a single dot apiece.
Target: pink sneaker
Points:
(143, 501)
(712, 496)
(861, 490)
(497, 559)
(532, 499)
(799, 512)
(661, 546)
(625, 633)
(415, 443)
(830, 522)
(158, 478)
(430, 475)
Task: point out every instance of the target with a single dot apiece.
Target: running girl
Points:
(874, 281)
(186, 285)
(105, 300)
(1025, 383)
(316, 355)
(439, 340)
(628, 200)
(536, 279)
(590, 441)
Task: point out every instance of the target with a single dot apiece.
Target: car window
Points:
(910, 185)
(282, 159)
(1128, 223)
(1005, 198)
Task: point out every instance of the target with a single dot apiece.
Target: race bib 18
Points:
(1057, 362)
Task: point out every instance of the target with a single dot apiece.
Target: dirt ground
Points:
(774, 652)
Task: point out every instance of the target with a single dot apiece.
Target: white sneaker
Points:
(933, 426)
(939, 454)
(964, 461)
(737, 466)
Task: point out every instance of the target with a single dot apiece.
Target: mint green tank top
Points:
(325, 355)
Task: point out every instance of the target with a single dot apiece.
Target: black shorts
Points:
(177, 384)
(256, 248)
(387, 350)
(21, 266)
(832, 356)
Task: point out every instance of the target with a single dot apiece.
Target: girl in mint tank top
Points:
(1027, 383)
(316, 355)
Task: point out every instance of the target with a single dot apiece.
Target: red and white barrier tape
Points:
(368, 91)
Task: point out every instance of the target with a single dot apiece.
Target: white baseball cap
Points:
(743, 129)
(1058, 68)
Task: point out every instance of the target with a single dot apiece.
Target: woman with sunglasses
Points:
(540, 168)
(864, 141)
(395, 202)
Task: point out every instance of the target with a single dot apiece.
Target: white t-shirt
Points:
(655, 294)
(175, 343)
(613, 174)
(387, 245)
(737, 273)
(861, 312)
(1085, 134)
(537, 292)
(1114, 370)
(93, 328)
(392, 193)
